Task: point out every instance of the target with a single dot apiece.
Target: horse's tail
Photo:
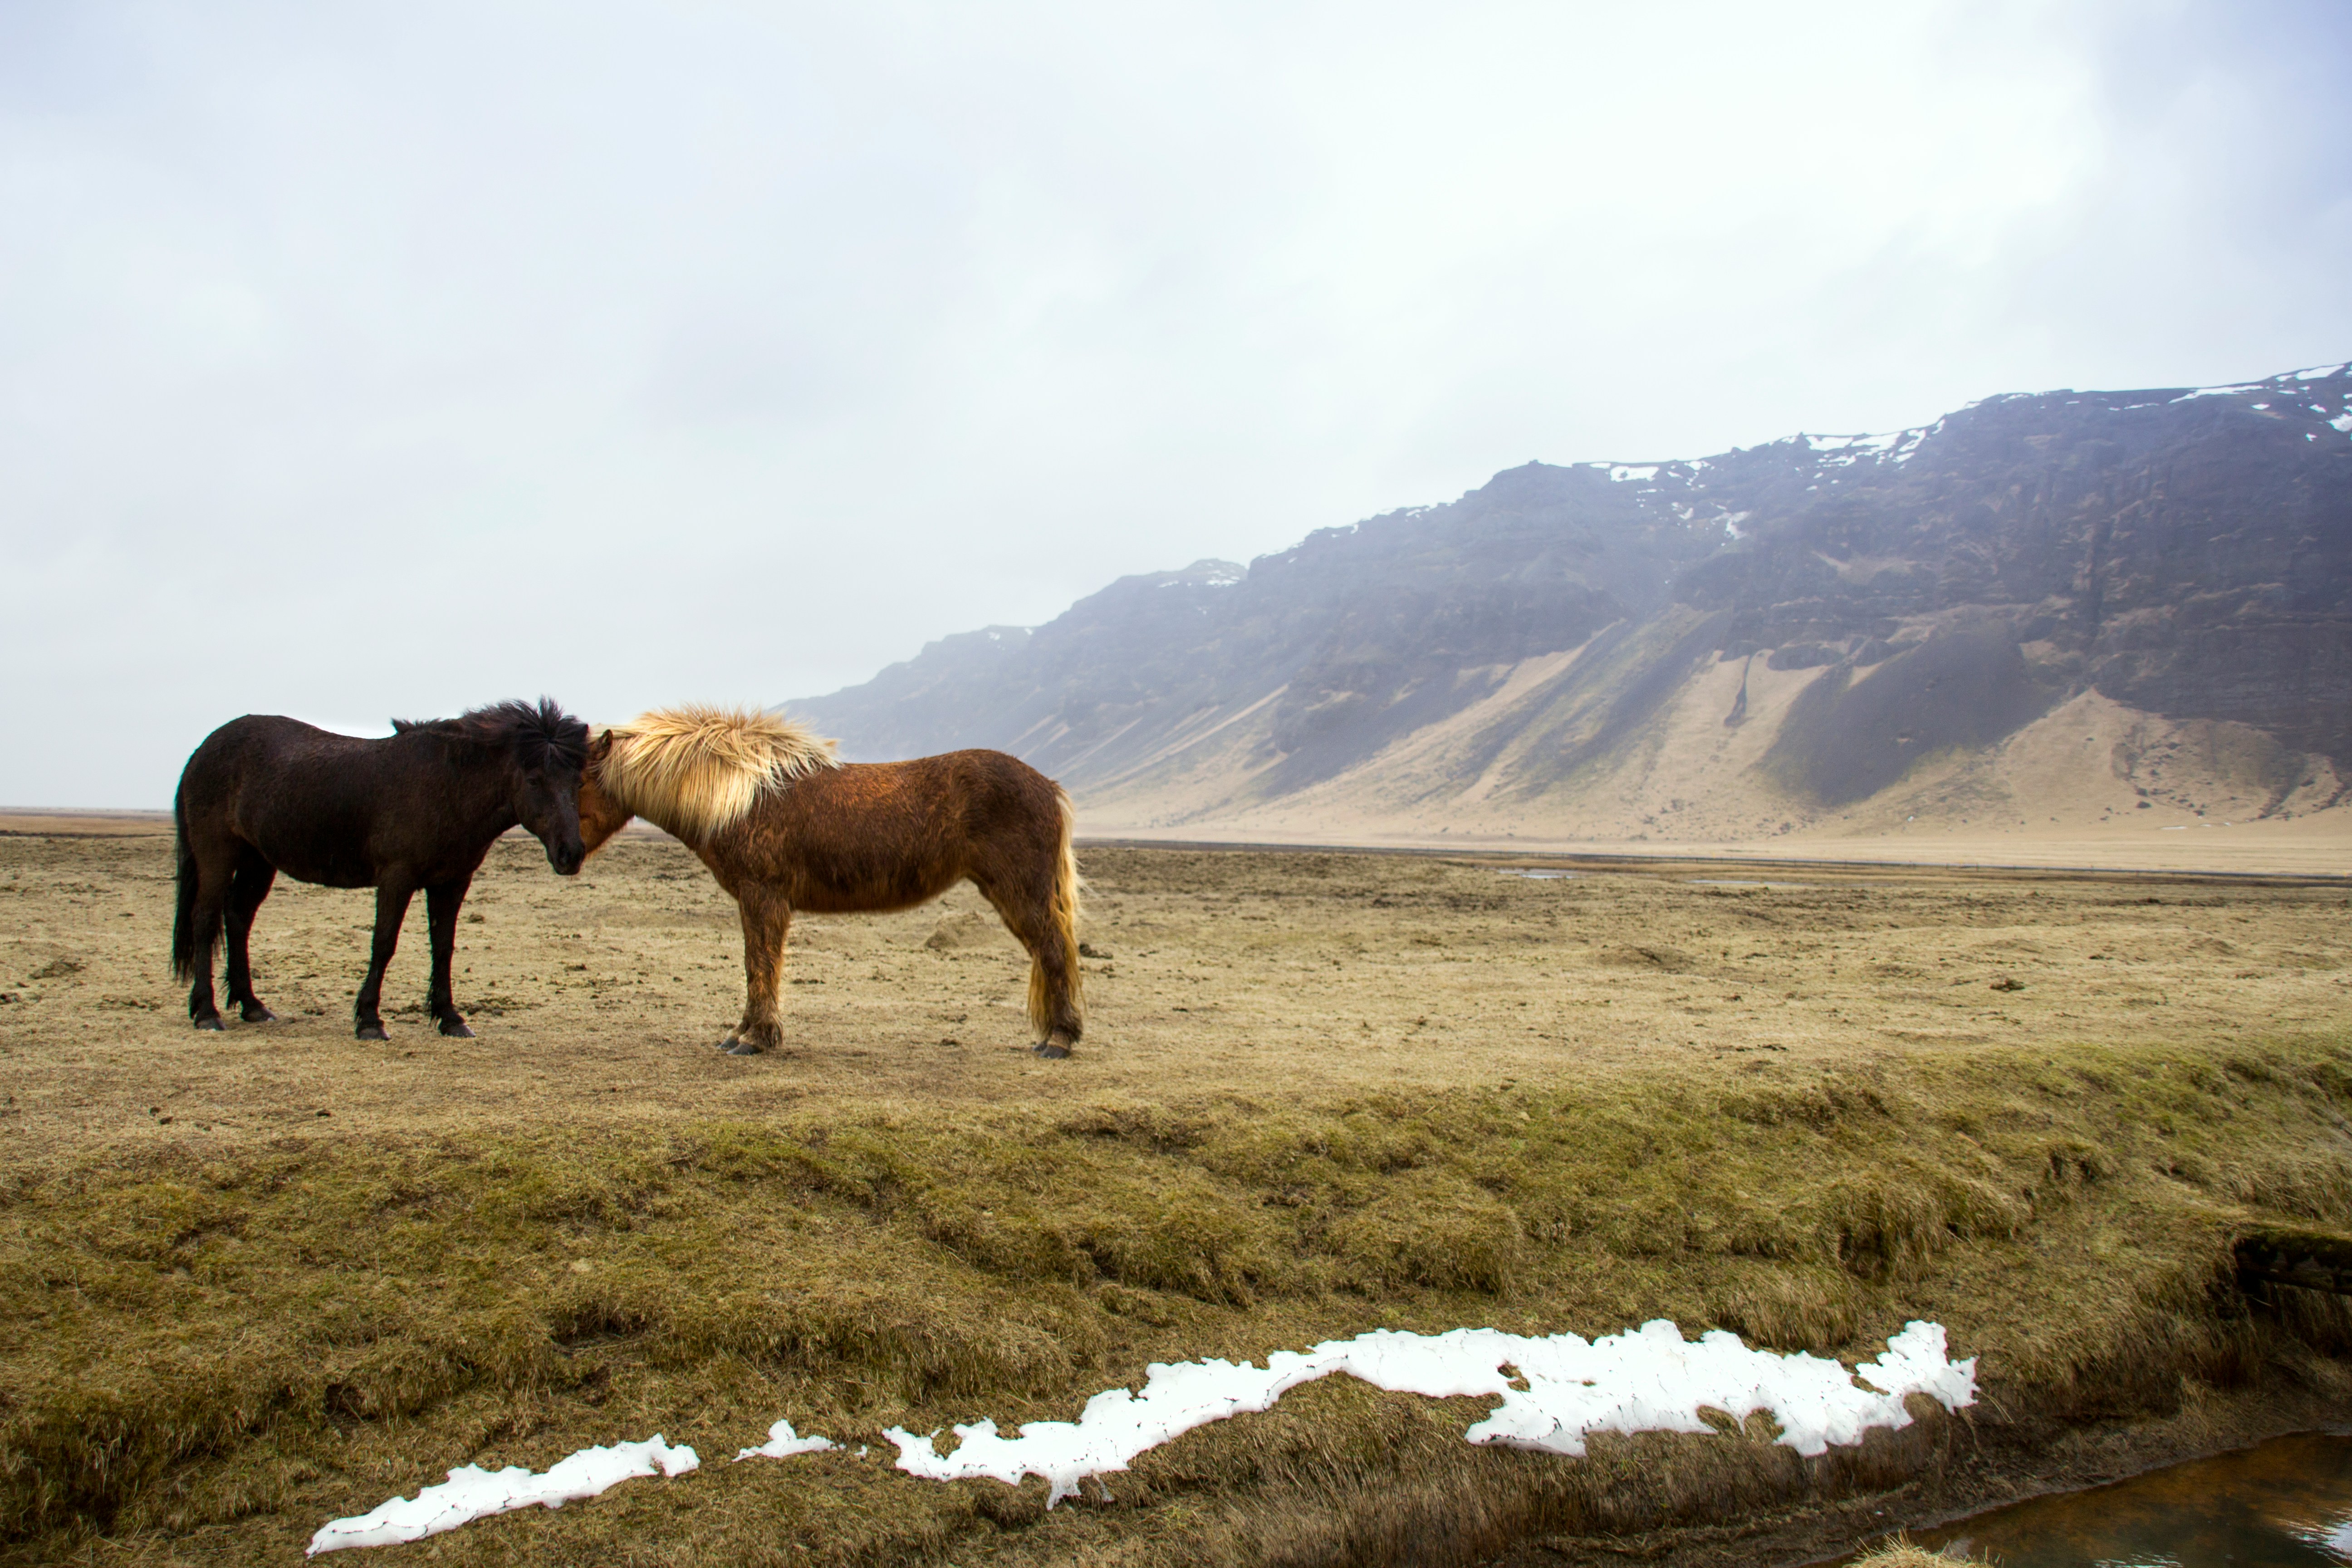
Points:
(1068, 888)
(185, 961)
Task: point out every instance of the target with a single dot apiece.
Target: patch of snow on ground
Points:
(784, 1443)
(2221, 391)
(1646, 1380)
(2316, 372)
(1622, 471)
(472, 1493)
(2343, 422)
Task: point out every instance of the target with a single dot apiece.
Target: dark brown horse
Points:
(418, 809)
(783, 825)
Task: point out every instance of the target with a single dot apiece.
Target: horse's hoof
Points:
(1049, 1051)
(455, 1029)
(213, 1024)
(254, 1013)
(372, 1031)
(742, 1049)
(728, 1043)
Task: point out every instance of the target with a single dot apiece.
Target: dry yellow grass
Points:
(1322, 1093)
(1902, 1554)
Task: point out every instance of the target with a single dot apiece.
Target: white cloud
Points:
(374, 359)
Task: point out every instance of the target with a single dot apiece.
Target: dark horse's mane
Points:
(539, 734)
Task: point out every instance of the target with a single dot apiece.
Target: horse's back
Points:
(876, 835)
(1002, 793)
(975, 794)
(244, 754)
(963, 790)
(303, 796)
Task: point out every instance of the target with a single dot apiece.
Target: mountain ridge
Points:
(1799, 634)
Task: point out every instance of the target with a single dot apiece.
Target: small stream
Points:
(2286, 1503)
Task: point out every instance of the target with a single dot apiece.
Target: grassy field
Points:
(249, 1282)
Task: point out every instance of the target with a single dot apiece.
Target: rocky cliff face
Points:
(1788, 632)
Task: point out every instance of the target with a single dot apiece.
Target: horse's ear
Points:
(599, 748)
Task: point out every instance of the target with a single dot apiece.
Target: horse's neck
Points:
(668, 824)
(484, 797)
(662, 819)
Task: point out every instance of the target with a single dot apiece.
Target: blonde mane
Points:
(695, 770)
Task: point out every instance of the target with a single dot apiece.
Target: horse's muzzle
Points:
(566, 861)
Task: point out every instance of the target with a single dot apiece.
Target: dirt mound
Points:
(962, 931)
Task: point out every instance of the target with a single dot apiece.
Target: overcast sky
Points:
(371, 359)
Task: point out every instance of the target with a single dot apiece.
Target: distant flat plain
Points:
(2317, 845)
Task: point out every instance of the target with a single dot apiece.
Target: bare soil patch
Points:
(1227, 973)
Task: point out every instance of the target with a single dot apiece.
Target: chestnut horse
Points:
(784, 825)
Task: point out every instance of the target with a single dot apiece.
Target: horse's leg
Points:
(1026, 906)
(441, 918)
(215, 875)
(245, 890)
(767, 918)
(392, 898)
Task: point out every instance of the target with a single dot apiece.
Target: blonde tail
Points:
(1068, 888)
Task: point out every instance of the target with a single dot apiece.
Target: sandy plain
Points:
(1309, 973)
(1958, 1027)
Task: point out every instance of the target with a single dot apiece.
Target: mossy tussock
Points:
(203, 1358)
